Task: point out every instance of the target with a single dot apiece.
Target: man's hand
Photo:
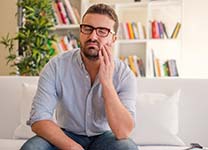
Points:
(106, 69)
(52, 132)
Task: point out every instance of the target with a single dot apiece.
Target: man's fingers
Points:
(105, 55)
(101, 57)
(109, 53)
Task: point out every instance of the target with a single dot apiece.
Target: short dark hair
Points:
(103, 9)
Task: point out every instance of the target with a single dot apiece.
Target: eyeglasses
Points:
(100, 31)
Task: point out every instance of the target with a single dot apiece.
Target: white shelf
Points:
(66, 27)
(130, 41)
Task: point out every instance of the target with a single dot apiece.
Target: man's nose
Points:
(93, 35)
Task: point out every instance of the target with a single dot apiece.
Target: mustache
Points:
(92, 41)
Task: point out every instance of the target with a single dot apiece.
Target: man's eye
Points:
(88, 29)
(102, 31)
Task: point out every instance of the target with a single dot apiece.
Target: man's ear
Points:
(114, 38)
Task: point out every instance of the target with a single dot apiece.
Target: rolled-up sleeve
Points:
(45, 99)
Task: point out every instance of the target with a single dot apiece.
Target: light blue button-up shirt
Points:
(65, 86)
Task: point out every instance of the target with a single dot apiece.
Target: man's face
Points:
(91, 43)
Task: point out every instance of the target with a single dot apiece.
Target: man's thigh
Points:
(38, 143)
(107, 141)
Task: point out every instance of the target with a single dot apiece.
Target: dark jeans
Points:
(105, 141)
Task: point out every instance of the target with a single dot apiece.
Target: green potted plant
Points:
(33, 36)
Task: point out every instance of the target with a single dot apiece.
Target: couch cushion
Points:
(157, 119)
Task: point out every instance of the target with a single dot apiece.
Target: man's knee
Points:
(107, 141)
(125, 144)
(36, 143)
(27, 146)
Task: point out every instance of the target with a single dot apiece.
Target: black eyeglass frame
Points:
(96, 30)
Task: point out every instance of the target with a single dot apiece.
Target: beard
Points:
(91, 49)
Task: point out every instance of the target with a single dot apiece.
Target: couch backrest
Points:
(193, 118)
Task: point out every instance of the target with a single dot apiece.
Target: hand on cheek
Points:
(106, 65)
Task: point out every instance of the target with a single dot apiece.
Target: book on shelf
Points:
(135, 63)
(163, 68)
(176, 30)
(62, 12)
(123, 31)
(132, 65)
(172, 67)
(157, 67)
(65, 13)
(66, 42)
(68, 15)
(131, 30)
(140, 64)
(153, 63)
(77, 14)
(135, 30)
(70, 11)
(141, 30)
(165, 33)
(159, 30)
(136, 66)
(155, 30)
(57, 15)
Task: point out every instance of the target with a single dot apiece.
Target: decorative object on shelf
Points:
(35, 18)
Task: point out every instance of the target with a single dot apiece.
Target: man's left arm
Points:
(119, 118)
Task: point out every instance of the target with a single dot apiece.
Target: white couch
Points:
(191, 108)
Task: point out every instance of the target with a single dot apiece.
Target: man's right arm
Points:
(43, 106)
(47, 129)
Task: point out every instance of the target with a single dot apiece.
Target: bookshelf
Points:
(66, 19)
(146, 45)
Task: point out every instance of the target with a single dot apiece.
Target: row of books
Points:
(159, 30)
(65, 43)
(65, 13)
(136, 64)
(136, 30)
(132, 30)
(164, 68)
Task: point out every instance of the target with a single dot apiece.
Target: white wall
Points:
(195, 39)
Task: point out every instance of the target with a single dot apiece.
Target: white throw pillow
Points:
(23, 131)
(157, 119)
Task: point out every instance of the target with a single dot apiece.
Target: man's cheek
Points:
(110, 44)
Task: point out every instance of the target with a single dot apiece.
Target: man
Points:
(93, 93)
